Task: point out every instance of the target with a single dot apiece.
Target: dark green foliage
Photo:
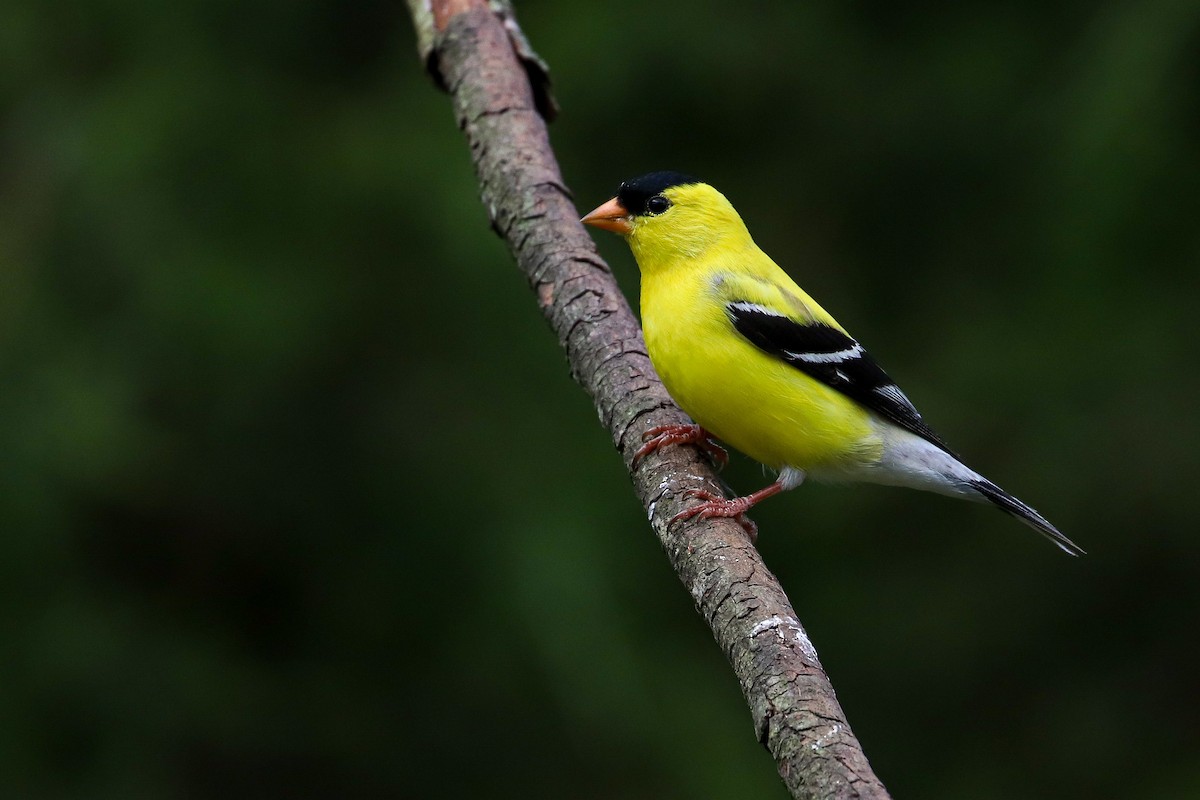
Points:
(298, 499)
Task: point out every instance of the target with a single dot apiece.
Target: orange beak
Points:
(610, 216)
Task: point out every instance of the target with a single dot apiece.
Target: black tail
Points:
(1006, 502)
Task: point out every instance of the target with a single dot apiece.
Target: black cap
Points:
(634, 193)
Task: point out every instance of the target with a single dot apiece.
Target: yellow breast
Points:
(757, 404)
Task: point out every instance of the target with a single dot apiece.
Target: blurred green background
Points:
(298, 498)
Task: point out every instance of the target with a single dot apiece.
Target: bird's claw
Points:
(663, 435)
(715, 506)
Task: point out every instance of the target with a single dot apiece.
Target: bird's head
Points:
(667, 216)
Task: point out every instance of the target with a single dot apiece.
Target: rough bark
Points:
(475, 51)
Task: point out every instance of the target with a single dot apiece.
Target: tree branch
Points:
(475, 50)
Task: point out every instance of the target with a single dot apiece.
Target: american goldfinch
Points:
(759, 365)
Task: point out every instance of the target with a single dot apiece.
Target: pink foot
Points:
(718, 507)
(715, 506)
(664, 435)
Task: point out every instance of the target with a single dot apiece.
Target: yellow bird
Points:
(759, 365)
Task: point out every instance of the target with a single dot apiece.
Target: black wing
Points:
(831, 357)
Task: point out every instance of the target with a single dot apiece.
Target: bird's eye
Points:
(657, 204)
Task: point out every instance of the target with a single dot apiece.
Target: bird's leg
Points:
(664, 435)
(716, 506)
